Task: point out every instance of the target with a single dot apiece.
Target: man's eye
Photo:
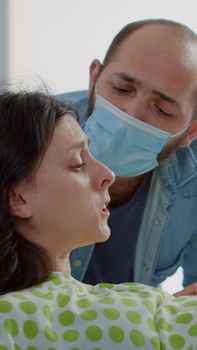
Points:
(78, 167)
(121, 89)
(162, 111)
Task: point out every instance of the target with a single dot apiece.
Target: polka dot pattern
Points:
(65, 314)
(11, 327)
(66, 318)
(89, 315)
(116, 334)
(111, 313)
(134, 316)
(30, 329)
(28, 307)
(137, 338)
(94, 333)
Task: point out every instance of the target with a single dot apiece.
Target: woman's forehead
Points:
(66, 134)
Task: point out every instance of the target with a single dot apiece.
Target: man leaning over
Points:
(140, 115)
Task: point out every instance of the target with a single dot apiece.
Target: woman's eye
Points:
(78, 167)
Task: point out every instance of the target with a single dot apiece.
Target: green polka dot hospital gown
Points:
(64, 314)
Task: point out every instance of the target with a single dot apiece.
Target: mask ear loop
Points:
(179, 132)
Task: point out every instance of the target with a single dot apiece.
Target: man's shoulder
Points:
(180, 167)
(73, 96)
(193, 146)
(80, 99)
(187, 158)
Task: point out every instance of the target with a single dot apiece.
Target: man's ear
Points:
(190, 135)
(94, 72)
(19, 205)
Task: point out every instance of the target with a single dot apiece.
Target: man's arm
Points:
(189, 290)
(190, 271)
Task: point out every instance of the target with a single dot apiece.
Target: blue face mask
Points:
(125, 144)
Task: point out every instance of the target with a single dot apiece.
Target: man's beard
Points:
(91, 102)
(170, 148)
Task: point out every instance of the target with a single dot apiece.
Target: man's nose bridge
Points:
(135, 107)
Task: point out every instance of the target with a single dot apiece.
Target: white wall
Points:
(3, 40)
(57, 39)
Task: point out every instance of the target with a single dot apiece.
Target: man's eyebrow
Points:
(166, 98)
(128, 78)
(163, 96)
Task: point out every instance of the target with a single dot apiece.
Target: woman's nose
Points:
(105, 176)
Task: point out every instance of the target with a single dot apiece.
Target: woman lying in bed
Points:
(54, 198)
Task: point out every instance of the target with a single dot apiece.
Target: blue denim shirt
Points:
(168, 234)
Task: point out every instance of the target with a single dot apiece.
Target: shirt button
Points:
(77, 263)
(146, 267)
(157, 221)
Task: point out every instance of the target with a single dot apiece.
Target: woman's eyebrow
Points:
(78, 145)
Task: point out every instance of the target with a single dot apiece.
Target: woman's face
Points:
(69, 198)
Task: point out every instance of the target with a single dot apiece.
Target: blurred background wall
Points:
(4, 40)
(57, 39)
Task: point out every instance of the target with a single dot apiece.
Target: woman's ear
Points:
(190, 135)
(19, 205)
(94, 72)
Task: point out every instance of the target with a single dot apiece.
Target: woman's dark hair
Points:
(27, 122)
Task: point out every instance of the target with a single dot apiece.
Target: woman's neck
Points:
(61, 263)
(123, 189)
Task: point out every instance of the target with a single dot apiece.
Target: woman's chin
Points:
(105, 233)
